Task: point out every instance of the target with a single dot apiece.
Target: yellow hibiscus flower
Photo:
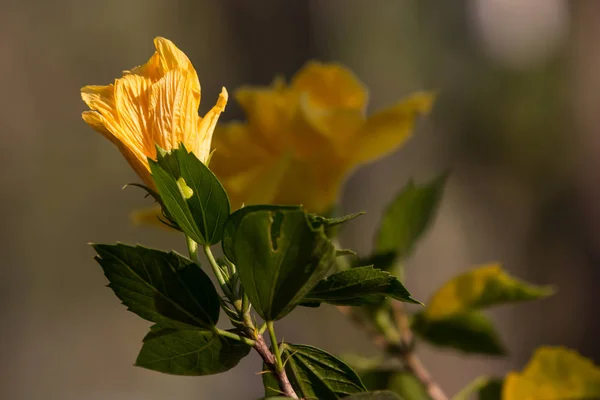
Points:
(153, 104)
(303, 139)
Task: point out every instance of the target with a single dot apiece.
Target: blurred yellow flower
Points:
(302, 139)
(153, 104)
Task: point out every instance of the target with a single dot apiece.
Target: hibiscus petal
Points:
(200, 143)
(330, 86)
(387, 130)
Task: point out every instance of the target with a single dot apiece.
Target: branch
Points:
(284, 383)
(401, 348)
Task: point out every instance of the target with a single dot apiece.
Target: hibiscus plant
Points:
(263, 192)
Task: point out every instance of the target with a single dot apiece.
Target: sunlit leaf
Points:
(554, 373)
(480, 288)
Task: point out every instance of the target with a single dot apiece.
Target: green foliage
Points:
(358, 286)
(161, 287)
(402, 383)
(189, 352)
(280, 258)
(407, 217)
(482, 388)
(315, 374)
(479, 288)
(378, 395)
(234, 220)
(470, 332)
(193, 196)
(451, 317)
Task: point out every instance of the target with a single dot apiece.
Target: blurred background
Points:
(517, 122)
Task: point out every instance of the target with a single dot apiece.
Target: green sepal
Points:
(192, 195)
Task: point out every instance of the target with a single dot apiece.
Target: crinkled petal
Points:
(387, 130)
(131, 112)
(330, 86)
(173, 111)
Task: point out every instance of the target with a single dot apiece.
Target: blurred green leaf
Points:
(379, 395)
(234, 220)
(358, 286)
(482, 287)
(280, 258)
(161, 287)
(482, 388)
(190, 352)
(554, 373)
(408, 216)
(404, 384)
(192, 194)
(316, 374)
(470, 332)
(318, 220)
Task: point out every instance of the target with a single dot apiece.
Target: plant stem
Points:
(192, 248)
(235, 336)
(407, 354)
(217, 271)
(396, 341)
(275, 345)
(284, 383)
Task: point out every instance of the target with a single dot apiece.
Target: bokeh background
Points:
(517, 123)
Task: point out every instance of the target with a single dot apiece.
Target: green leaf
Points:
(280, 258)
(554, 373)
(161, 287)
(484, 387)
(404, 384)
(315, 374)
(192, 194)
(318, 220)
(470, 332)
(190, 352)
(385, 261)
(358, 286)
(408, 216)
(234, 220)
(379, 395)
(481, 288)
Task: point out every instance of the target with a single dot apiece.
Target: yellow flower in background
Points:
(303, 139)
(153, 104)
